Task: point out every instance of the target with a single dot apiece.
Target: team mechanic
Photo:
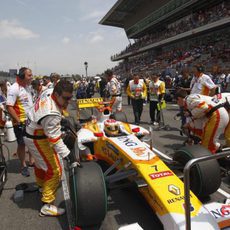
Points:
(113, 87)
(201, 83)
(18, 103)
(212, 114)
(137, 91)
(43, 139)
(156, 95)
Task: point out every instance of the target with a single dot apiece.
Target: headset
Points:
(21, 73)
(200, 68)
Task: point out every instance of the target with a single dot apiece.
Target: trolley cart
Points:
(161, 106)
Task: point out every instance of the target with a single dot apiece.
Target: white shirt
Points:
(201, 85)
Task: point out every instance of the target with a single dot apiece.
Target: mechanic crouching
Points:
(43, 139)
(212, 115)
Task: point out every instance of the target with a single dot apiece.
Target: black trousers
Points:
(137, 109)
(154, 112)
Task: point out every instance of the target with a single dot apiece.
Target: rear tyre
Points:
(88, 194)
(205, 176)
(120, 116)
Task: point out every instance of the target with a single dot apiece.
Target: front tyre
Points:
(88, 194)
(205, 177)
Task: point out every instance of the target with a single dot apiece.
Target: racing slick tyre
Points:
(205, 176)
(88, 194)
(120, 116)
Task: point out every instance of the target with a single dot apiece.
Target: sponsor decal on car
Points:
(176, 199)
(223, 211)
(109, 153)
(89, 102)
(127, 141)
(174, 189)
(139, 151)
(155, 167)
(112, 147)
(158, 175)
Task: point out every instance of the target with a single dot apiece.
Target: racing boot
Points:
(51, 210)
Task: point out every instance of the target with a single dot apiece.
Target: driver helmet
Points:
(111, 127)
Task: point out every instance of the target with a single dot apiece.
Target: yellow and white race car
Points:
(109, 138)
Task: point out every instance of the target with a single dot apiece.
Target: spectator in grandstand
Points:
(137, 91)
(19, 102)
(113, 89)
(188, 22)
(47, 82)
(156, 96)
(227, 81)
(201, 83)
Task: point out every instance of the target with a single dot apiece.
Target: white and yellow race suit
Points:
(214, 119)
(114, 89)
(21, 99)
(43, 139)
(201, 85)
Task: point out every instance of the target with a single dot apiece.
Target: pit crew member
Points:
(156, 95)
(43, 139)
(19, 102)
(212, 114)
(201, 83)
(113, 88)
(137, 91)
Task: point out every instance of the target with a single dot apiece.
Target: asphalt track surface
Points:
(125, 206)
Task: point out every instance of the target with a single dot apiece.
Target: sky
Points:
(58, 36)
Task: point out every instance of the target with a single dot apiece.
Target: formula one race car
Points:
(109, 138)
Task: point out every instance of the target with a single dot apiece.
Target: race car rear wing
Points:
(88, 103)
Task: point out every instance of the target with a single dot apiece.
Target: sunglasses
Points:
(67, 98)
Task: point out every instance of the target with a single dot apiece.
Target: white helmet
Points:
(111, 127)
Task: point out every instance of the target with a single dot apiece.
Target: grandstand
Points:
(175, 33)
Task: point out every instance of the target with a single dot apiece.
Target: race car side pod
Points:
(187, 170)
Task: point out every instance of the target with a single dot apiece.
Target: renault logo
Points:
(174, 189)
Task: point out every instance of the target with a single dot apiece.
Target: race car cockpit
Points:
(112, 128)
